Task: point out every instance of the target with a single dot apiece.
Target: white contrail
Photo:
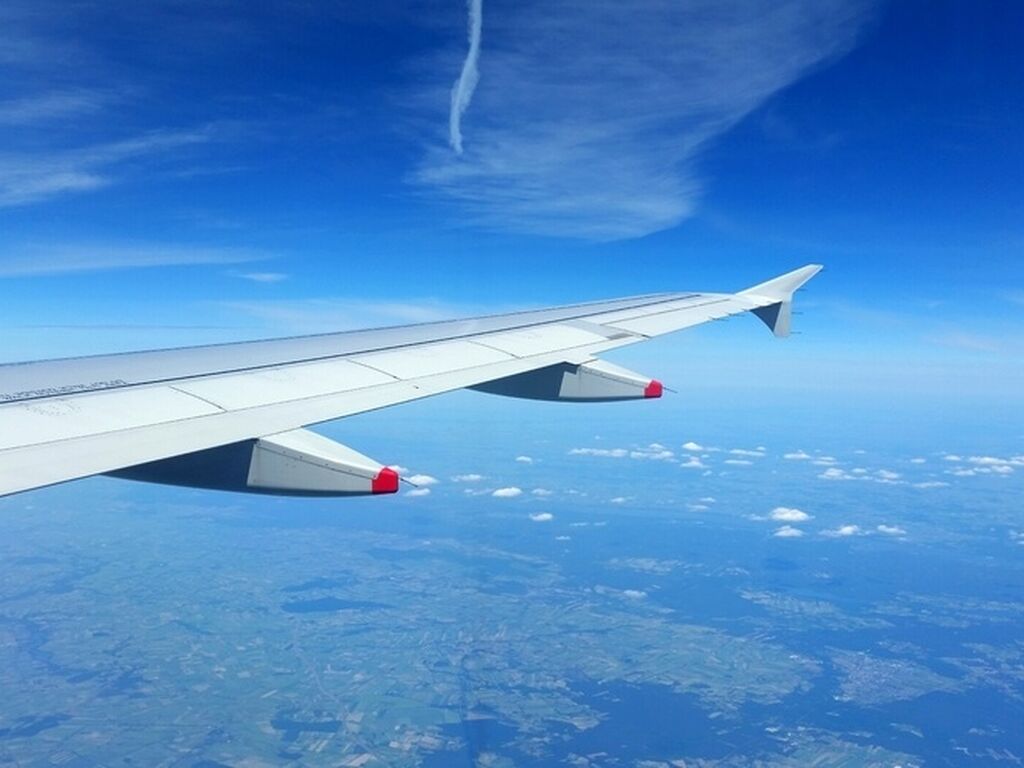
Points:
(462, 91)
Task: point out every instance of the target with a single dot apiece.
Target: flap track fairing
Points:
(296, 463)
(590, 382)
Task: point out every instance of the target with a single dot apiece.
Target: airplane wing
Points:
(232, 416)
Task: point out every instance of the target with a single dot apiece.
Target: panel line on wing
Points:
(367, 366)
(197, 397)
(495, 349)
(649, 320)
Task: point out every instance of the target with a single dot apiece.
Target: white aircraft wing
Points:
(232, 416)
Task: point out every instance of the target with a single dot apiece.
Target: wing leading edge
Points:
(163, 414)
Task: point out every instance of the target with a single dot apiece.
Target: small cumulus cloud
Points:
(625, 594)
(918, 460)
(985, 465)
(835, 474)
(655, 452)
(997, 463)
(789, 515)
(542, 517)
(507, 493)
(692, 446)
(524, 459)
(882, 476)
(738, 462)
(613, 453)
(961, 472)
(843, 531)
(890, 530)
(418, 492)
(468, 478)
(756, 453)
(422, 480)
(541, 492)
(797, 455)
(618, 500)
(788, 532)
(988, 461)
(693, 463)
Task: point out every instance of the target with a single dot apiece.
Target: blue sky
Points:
(192, 172)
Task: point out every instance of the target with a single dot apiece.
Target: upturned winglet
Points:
(774, 298)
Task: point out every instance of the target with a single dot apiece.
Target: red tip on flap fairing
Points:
(386, 481)
(653, 389)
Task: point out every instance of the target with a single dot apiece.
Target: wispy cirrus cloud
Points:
(30, 177)
(261, 277)
(37, 259)
(590, 115)
(52, 105)
(970, 342)
(316, 315)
